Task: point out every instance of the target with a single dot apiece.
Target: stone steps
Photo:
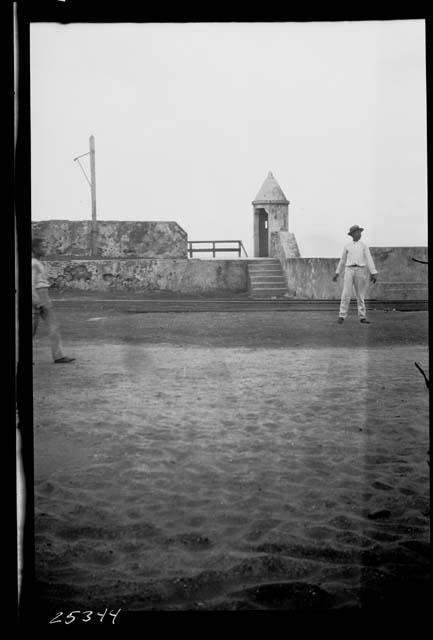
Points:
(266, 279)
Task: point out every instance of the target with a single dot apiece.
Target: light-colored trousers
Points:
(355, 281)
(47, 314)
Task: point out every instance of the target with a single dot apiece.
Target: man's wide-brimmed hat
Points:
(354, 228)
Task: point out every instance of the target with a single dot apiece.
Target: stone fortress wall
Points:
(153, 256)
(400, 277)
(132, 256)
(66, 239)
(159, 262)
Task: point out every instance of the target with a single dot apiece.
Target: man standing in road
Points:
(357, 263)
(41, 303)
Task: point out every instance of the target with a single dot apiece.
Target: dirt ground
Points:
(230, 461)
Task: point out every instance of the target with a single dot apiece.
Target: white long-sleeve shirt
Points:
(356, 254)
(39, 276)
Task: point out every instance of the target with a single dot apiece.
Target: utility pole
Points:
(92, 184)
(94, 231)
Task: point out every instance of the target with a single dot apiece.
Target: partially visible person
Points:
(42, 305)
(357, 263)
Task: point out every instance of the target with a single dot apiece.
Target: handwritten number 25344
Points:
(86, 616)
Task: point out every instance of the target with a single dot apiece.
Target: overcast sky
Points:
(189, 119)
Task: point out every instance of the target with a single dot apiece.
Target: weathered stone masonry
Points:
(147, 239)
(136, 256)
(400, 278)
(153, 256)
(141, 275)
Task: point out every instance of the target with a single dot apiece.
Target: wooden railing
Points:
(213, 249)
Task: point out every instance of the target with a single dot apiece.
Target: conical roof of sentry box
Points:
(270, 192)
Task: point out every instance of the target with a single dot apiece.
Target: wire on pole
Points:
(81, 166)
(91, 183)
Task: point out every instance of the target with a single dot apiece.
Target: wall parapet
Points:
(139, 275)
(399, 276)
(66, 239)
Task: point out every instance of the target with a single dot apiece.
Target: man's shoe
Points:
(340, 320)
(365, 321)
(64, 359)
